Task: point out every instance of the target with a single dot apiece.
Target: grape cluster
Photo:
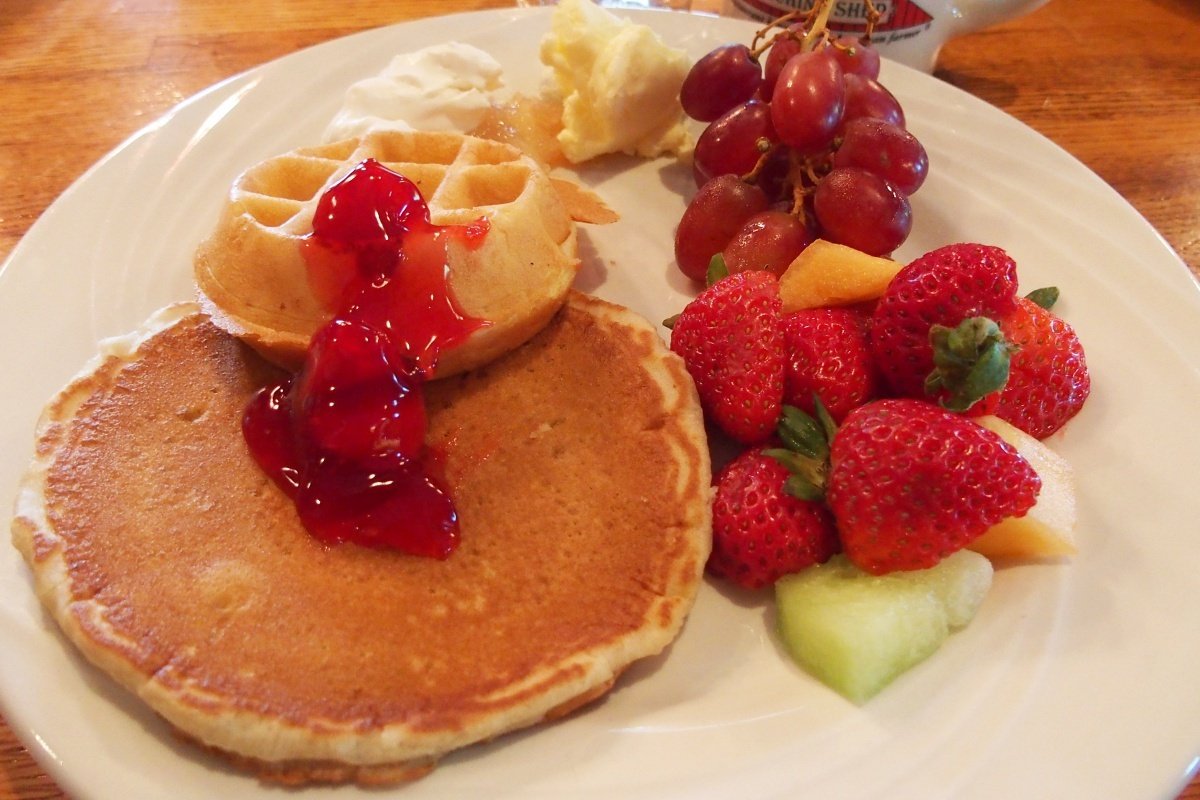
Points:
(805, 143)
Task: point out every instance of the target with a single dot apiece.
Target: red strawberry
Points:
(1048, 378)
(950, 327)
(910, 483)
(943, 287)
(828, 354)
(731, 339)
(760, 532)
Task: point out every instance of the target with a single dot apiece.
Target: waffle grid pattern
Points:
(461, 178)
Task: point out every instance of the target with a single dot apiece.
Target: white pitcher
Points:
(909, 31)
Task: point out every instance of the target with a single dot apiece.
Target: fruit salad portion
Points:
(890, 419)
(890, 416)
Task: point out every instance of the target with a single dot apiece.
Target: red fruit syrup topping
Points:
(345, 438)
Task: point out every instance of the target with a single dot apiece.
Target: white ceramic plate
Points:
(1075, 681)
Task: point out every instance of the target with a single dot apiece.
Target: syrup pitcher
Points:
(909, 31)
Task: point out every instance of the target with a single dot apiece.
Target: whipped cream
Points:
(619, 84)
(443, 87)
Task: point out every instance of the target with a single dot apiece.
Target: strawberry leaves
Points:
(970, 361)
(1045, 297)
(805, 451)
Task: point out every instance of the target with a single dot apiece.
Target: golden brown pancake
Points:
(579, 468)
(253, 279)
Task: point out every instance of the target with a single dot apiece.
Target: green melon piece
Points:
(856, 632)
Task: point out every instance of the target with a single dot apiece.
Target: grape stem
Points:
(766, 149)
(798, 170)
(873, 16)
(802, 174)
(817, 29)
(815, 21)
(758, 46)
(778, 22)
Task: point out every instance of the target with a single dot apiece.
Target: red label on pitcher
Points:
(848, 16)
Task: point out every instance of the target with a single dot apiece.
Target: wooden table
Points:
(1117, 84)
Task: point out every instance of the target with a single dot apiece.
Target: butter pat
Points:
(444, 87)
(619, 84)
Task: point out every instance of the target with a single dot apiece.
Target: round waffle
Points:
(579, 467)
(253, 278)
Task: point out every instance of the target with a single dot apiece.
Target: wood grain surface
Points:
(1116, 84)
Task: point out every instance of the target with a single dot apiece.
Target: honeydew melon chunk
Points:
(1048, 529)
(856, 632)
(829, 274)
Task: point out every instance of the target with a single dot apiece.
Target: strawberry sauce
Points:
(345, 437)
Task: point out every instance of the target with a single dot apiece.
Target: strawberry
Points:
(1048, 377)
(731, 340)
(910, 483)
(951, 327)
(760, 531)
(828, 355)
(943, 288)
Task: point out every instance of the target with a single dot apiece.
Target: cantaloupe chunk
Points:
(828, 274)
(1048, 529)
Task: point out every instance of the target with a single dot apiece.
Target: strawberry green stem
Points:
(805, 451)
(970, 362)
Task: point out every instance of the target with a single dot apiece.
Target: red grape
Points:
(715, 214)
(890, 152)
(730, 143)
(868, 98)
(856, 57)
(784, 46)
(808, 102)
(769, 240)
(862, 210)
(726, 77)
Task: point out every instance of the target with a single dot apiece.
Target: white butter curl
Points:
(619, 84)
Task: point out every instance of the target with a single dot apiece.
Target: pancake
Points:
(579, 468)
(253, 279)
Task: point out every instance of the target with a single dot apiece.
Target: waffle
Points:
(579, 467)
(253, 279)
